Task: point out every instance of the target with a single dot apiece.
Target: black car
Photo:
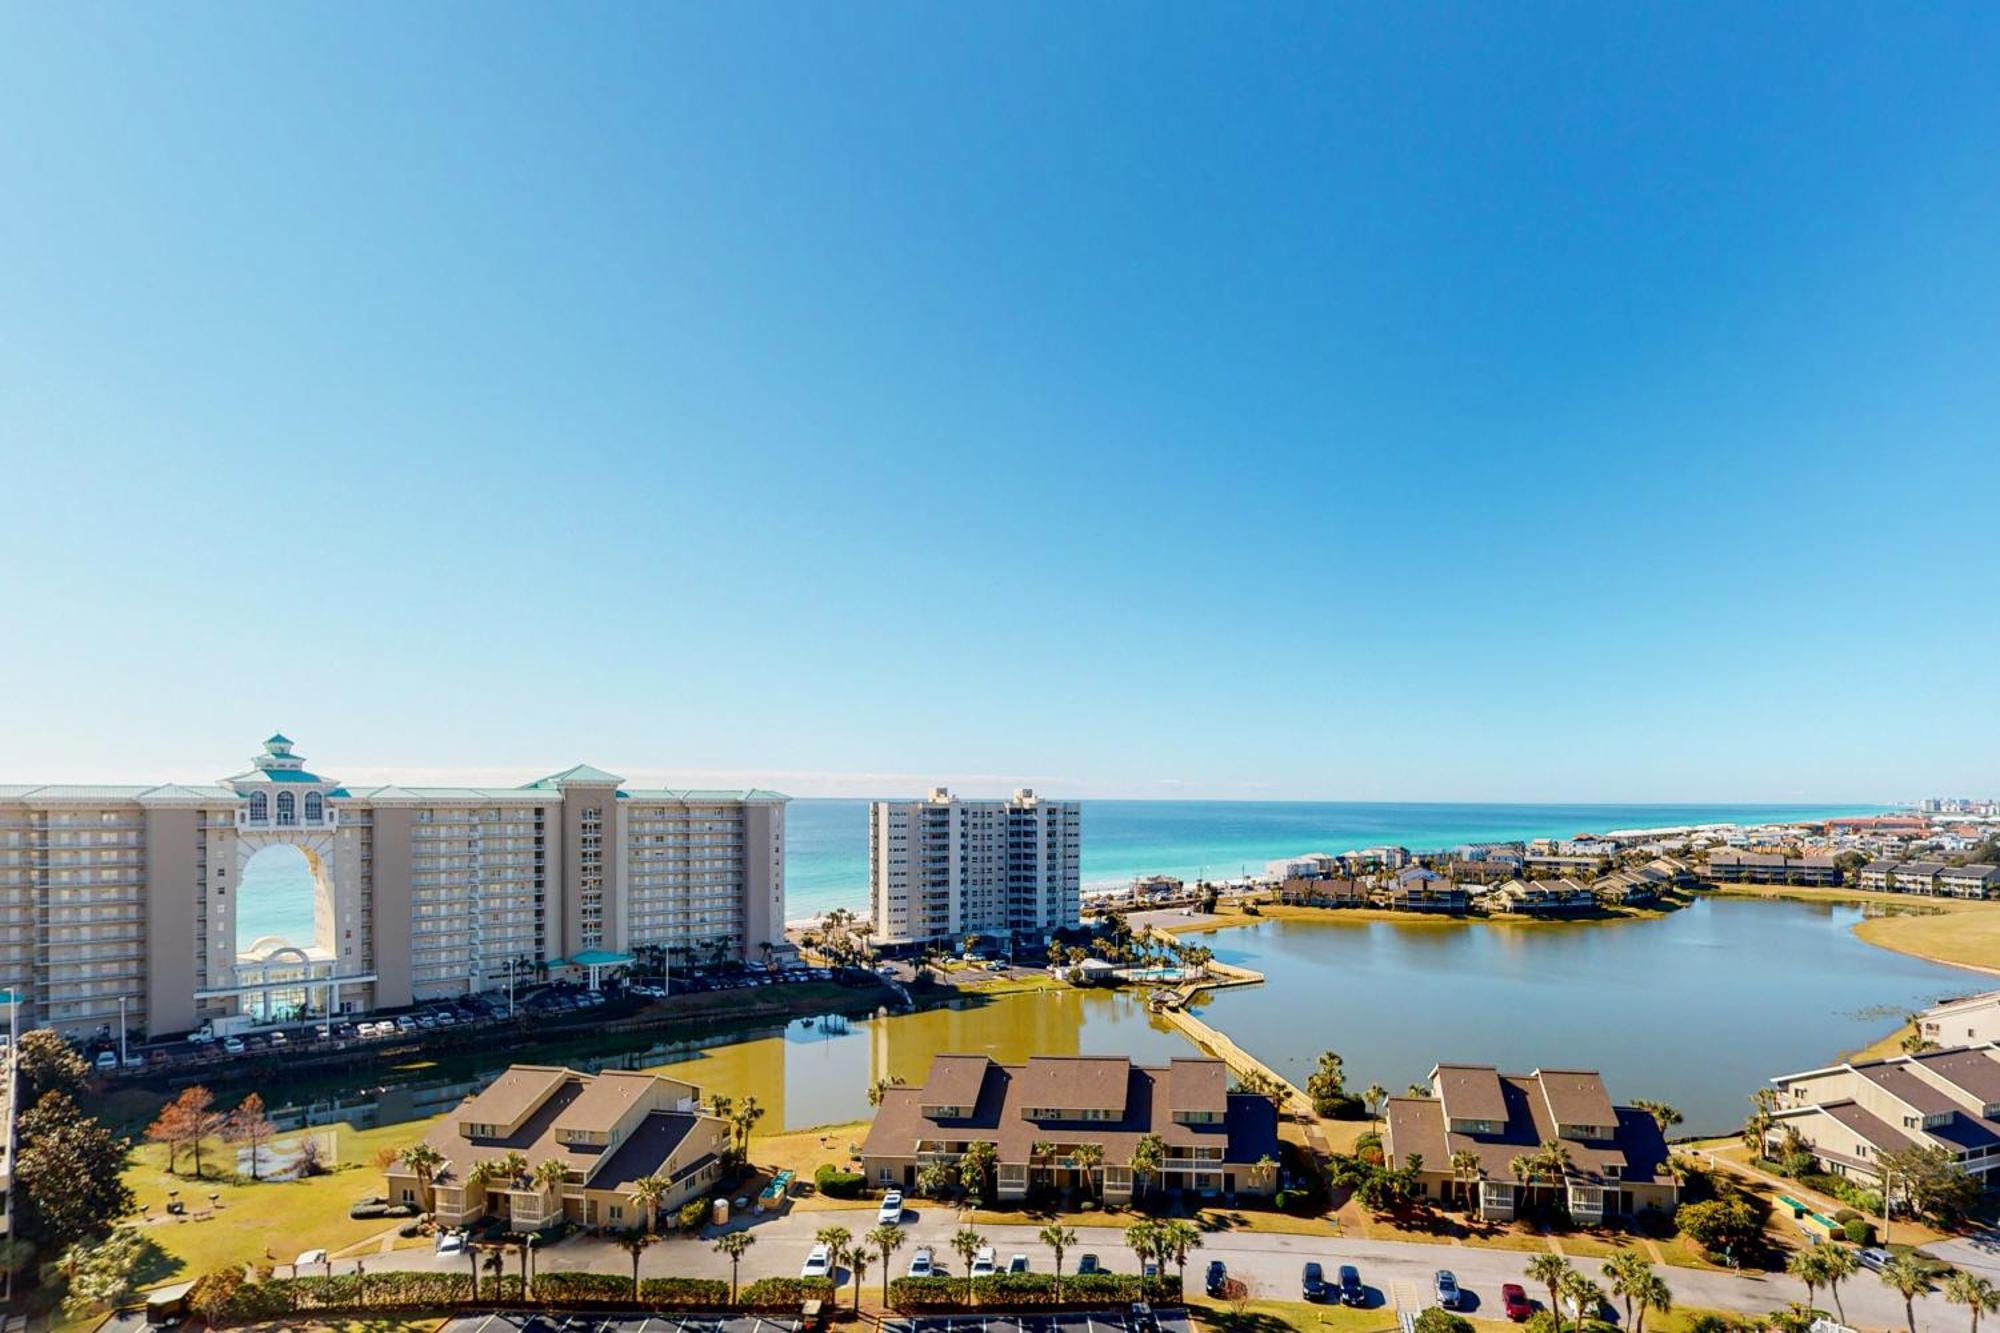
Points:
(1218, 1278)
(1351, 1290)
(1312, 1282)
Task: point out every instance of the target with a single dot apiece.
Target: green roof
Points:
(598, 958)
(277, 738)
(582, 774)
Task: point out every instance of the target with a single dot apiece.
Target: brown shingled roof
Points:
(1576, 1097)
(955, 1080)
(1075, 1082)
(1470, 1092)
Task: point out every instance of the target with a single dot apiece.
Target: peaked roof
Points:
(581, 774)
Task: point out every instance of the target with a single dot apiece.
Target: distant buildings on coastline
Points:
(944, 868)
(119, 904)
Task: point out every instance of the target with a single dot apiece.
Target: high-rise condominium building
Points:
(944, 868)
(127, 897)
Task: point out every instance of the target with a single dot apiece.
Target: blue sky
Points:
(1406, 402)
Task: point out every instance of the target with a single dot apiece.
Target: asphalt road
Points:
(1396, 1273)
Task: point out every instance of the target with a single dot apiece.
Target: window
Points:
(315, 807)
(288, 808)
(260, 807)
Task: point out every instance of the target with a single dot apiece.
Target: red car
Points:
(1515, 1302)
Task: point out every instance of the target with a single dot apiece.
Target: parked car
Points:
(278, 1039)
(1018, 1264)
(1088, 1263)
(1312, 1282)
(1445, 1285)
(983, 1262)
(106, 1060)
(891, 1211)
(1351, 1290)
(233, 1045)
(450, 1242)
(1514, 1302)
(819, 1263)
(1872, 1258)
(134, 1061)
(921, 1264)
(1217, 1280)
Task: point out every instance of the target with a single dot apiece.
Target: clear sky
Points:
(1591, 402)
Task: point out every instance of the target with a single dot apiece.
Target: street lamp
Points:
(121, 1032)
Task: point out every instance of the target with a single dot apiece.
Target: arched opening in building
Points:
(276, 897)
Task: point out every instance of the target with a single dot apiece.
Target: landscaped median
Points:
(1024, 1291)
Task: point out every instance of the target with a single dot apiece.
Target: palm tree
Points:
(424, 1160)
(1177, 1237)
(634, 1243)
(1665, 1116)
(1901, 1274)
(1976, 1294)
(745, 1120)
(1653, 1294)
(1264, 1169)
(472, 1253)
(1757, 1128)
(1809, 1269)
(1087, 1157)
(1627, 1272)
(975, 1165)
(1587, 1295)
(733, 1244)
(1144, 1240)
(550, 1175)
(1374, 1094)
(887, 1239)
(647, 1191)
(1467, 1170)
(1550, 1270)
(857, 1267)
(1149, 1154)
(880, 1087)
(1060, 1238)
(1837, 1264)
(1552, 1164)
(967, 1243)
(1041, 1153)
(838, 1241)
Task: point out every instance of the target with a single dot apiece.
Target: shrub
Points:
(1859, 1230)
(684, 1293)
(920, 1295)
(558, 1288)
(1436, 1320)
(693, 1215)
(837, 1184)
(784, 1293)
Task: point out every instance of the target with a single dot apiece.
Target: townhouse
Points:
(1544, 897)
(1730, 866)
(1850, 1116)
(1931, 878)
(1970, 1021)
(1616, 1155)
(1038, 1114)
(1419, 890)
(1312, 891)
(607, 1131)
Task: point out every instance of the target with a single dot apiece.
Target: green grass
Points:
(1260, 1316)
(257, 1221)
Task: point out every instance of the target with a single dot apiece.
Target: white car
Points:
(309, 1259)
(891, 1211)
(107, 1060)
(233, 1045)
(451, 1242)
(922, 1263)
(982, 1262)
(818, 1264)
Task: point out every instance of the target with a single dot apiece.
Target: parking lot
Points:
(1114, 1321)
(521, 1322)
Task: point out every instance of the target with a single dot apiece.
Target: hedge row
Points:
(277, 1298)
(920, 1295)
(831, 1181)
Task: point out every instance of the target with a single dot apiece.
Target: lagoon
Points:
(1697, 1008)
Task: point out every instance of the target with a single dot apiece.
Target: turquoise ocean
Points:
(826, 858)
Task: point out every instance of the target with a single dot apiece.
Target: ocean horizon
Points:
(826, 842)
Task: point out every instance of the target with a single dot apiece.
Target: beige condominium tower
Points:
(120, 903)
(944, 868)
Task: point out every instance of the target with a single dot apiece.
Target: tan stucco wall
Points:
(390, 860)
(173, 839)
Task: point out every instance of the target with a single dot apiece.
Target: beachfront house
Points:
(1492, 870)
(1038, 1114)
(606, 1130)
(1616, 1155)
(1851, 1115)
(1558, 862)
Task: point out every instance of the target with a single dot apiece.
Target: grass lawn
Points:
(255, 1221)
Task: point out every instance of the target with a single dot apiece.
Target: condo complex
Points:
(119, 903)
(943, 868)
